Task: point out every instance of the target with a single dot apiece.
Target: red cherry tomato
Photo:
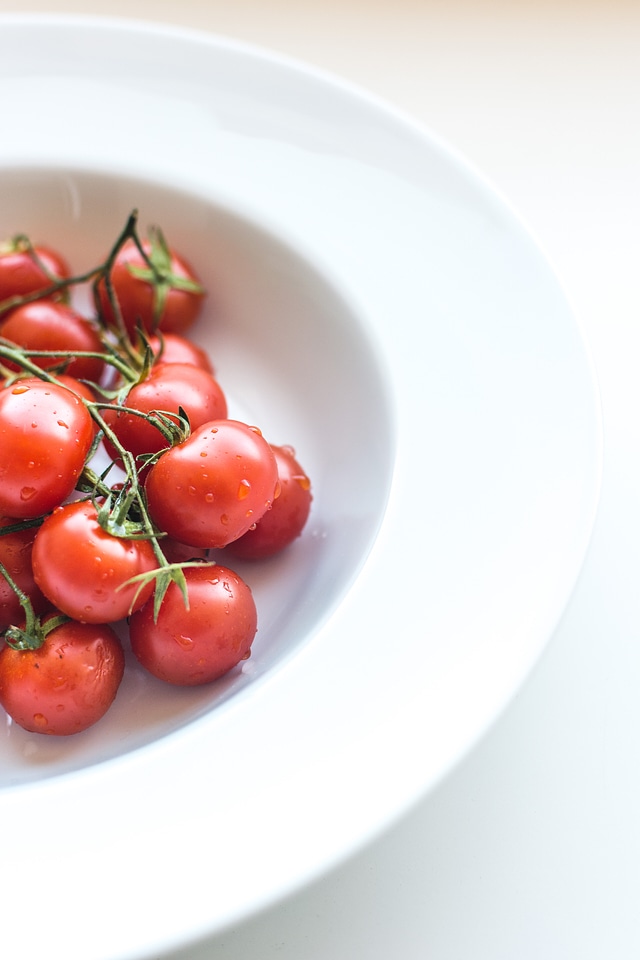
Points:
(15, 556)
(286, 519)
(198, 644)
(48, 325)
(168, 387)
(90, 584)
(210, 489)
(22, 273)
(173, 348)
(45, 435)
(169, 301)
(67, 684)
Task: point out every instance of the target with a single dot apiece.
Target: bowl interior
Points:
(295, 359)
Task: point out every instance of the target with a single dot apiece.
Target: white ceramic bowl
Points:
(375, 304)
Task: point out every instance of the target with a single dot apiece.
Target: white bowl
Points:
(375, 304)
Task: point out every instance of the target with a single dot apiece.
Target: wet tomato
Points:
(198, 644)
(82, 569)
(284, 522)
(15, 557)
(169, 387)
(208, 490)
(45, 435)
(67, 684)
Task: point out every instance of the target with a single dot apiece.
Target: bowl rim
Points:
(399, 788)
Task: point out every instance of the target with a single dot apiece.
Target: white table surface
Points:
(531, 849)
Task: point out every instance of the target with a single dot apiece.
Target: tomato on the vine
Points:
(199, 643)
(15, 557)
(65, 685)
(52, 326)
(174, 348)
(46, 433)
(72, 539)
(167, 388)
(285, 521)
(25, 270)
(208, 490)
(167, 297)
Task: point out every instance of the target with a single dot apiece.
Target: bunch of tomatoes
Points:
(83, 547)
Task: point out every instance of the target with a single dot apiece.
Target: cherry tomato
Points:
(198, 644)
(23, 273)
(89, 584)
(168, 387)
(67, 684)
(208, 490)
(169, 303)
(173, 348)
(49, 325)
(15, 556)
(284, 522)
(45, 435)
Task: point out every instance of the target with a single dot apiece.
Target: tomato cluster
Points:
(83, 548)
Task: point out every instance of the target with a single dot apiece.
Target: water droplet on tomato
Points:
(20, 388)
(61, 423)
(246, 655)
(277, 490)
(224, 519)
(192, 490)
(244, 488)
(304, 481)
(27, 493)
(209, 497)
(185, 642)
(40, 720)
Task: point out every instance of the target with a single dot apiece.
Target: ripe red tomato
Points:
(199, 644)
(20, 272)
(49, 325)
(173, 348)
(170, 304)
(210, 489)
(286, 519)
(15, 556)
(45, 435)
(168, 387)
(67, 684)
(89, 585)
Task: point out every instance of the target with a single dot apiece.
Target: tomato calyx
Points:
(160, 274)
(164, 576)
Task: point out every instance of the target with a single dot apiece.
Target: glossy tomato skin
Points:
(210, 489)
(45, 435)
(174, 348)
(66, 685)
(81, 568)
(168, 387)
(197, 645)
(15, 556)
(286, 519)
(49, 325)
(20, 273)
(136, 296)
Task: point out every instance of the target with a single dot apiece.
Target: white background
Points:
(531, 849)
